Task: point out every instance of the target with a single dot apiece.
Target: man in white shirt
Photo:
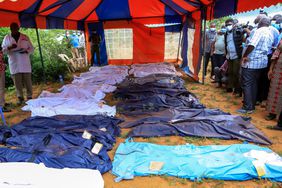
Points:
(253, 62)
(18, 48)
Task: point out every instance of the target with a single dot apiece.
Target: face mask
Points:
(212, 29)
(277, 26)
(223, 30)
(229, 28)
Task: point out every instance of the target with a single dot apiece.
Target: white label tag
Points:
(259, 167)
(97, 148)
(156, 166)
(86, 135)
(103, 129)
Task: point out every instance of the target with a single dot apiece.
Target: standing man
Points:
(218, 48)
(95, 41)
(210, 38)
(18, 47)
(253, 62)
(233, 45)
(74, 41)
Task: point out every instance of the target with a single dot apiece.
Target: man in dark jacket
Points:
(95, 40)
(233, 45)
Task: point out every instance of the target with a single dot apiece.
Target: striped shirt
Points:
(262, 40)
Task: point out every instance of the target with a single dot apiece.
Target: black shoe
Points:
(20, 101)
(275, 127)
(270, 116)
(238, 95)
(8, 104)
(5, 109)
(229, 90)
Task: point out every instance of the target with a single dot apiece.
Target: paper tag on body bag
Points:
(156, 166)
(97, 148)
(86, 135)
(103, 129)
(260, 168)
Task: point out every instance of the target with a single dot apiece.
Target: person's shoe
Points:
(277, 127)
(5, 109)
(270, 116)
(257, 103)
(229, 90)
(244, 111)
(238, 95)
(8, 104)
(213, 77)
(263, 104)
(213, 81)
(20, 101)
(218, 85)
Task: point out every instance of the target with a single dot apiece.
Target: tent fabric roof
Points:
(55, 12)
(70, 14)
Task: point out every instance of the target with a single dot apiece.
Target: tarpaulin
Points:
(74, 157)
(222, 162)
(154, 93)
(65, 130)
(61, 141)
(215, 126)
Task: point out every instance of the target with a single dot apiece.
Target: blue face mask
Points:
(212, 29)
(223, 30)
(277, 26)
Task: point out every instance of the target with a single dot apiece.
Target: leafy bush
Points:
(51, 47)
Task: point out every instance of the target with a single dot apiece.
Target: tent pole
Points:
(40, 53)
(178, 50)
(204, 47)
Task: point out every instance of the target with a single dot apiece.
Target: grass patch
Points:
(279, 153)
(215, 141)
(152, 140)
(194, 88)
(167, 140)
(214, 99)
(123, 135)
(182, 181)
(276, 185)
(235, 103)
(228, 98)
(194, 140)
(172, 181)
(219, 184)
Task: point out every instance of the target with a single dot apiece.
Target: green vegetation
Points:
(51, 47)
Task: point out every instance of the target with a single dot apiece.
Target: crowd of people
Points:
(247, 60)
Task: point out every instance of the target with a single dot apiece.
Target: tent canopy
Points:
(148, 43)
(71, 14)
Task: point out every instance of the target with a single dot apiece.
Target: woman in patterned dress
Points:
(274, 100)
